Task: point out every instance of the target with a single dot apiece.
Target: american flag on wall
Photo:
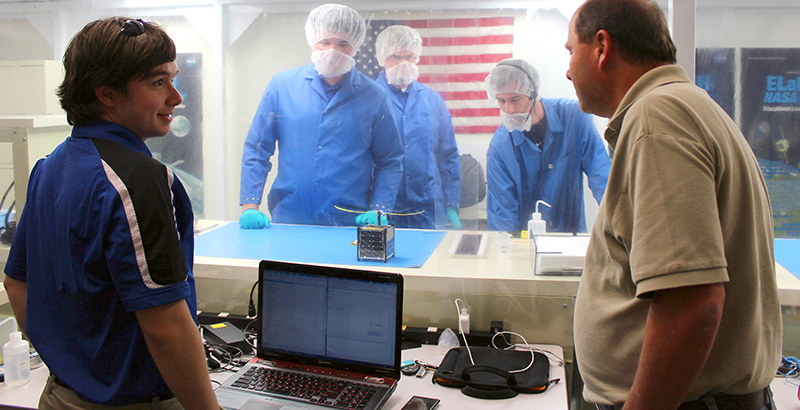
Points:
(457, 55)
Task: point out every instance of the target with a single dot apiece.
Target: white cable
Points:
(533, 356)
(526, 346)
(461, 330)
(550, 355)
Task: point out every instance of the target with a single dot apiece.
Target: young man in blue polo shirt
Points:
(100, 270)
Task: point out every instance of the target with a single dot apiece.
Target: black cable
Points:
(9, 227)
(251, 337)
(7, 232)
(2, 201)
(251, 308)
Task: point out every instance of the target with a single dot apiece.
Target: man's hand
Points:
(175, 344)
(18, 297)
(681, 328)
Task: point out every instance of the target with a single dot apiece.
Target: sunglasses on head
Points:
(133, 28)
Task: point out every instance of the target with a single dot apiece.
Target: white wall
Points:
(748, 27)
(271, 44)
(19, 40)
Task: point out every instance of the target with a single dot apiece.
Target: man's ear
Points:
(106, 95)
(604, 48)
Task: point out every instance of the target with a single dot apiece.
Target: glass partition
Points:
(748, 59)
(229, 51)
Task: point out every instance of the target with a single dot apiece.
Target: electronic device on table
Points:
(469, 245)
(375, 242)
(321, 326)
(420, 403)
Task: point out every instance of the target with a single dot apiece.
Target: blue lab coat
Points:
(341, 152)
(431, 168)
(518, 173)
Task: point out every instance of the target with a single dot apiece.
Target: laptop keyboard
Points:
(313, 389)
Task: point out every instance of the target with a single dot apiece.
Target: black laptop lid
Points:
(334, 317)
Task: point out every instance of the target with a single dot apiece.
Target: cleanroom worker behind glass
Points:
(430, 190)
(539, 153)
(339, 151)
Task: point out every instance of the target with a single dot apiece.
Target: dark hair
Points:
(102, 53)
(638, 27)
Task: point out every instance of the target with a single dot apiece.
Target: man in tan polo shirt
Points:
(678, 305)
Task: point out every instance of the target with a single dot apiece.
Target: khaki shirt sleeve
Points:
(677, 238)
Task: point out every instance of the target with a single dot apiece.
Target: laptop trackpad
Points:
(255, 404)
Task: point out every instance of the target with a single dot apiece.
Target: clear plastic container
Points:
(504, 247)
(16, 360)
(447, 341)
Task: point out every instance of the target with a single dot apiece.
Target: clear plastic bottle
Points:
(537, 225)
(16, 360)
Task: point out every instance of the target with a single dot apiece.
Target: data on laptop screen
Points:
(329, 318)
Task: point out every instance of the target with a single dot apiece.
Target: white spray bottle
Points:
(537, 225)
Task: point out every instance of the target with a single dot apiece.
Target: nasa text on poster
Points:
(770, 116)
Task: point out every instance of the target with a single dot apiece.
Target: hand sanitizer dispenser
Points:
(536, 225)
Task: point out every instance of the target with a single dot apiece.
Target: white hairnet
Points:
(512, 75)
(335, 20)
(396, 39)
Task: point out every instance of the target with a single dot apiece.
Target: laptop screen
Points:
(334, 317)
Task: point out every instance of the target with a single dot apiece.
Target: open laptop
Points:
(321, 326)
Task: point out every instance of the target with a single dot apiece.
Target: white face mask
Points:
(402, 74)
(332, 63)
(516, 122)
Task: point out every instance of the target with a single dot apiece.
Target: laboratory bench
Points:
(554, 398)
(490, 274)
(494, 287)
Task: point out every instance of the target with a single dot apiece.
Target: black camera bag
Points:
(490, 377)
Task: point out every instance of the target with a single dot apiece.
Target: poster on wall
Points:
(714, 72)
(182, 148)
(770, 120)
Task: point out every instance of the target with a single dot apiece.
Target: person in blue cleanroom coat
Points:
(431, 167)
(337, 143)
(540, 152)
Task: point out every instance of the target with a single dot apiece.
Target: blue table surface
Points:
(312, 244)
(787, 254)
(331, 245)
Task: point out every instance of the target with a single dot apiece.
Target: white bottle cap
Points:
(15, 336)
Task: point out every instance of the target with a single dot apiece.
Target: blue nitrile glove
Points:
(371, 218)
(452, 218)
(253, 219)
